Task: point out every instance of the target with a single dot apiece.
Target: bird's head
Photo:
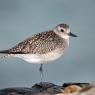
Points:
(63, 30)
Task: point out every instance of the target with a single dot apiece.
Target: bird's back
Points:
(40, 43)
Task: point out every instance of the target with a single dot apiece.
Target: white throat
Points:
(65, 36)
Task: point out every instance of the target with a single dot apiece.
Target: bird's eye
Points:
(62, 30)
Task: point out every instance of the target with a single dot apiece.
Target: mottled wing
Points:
(40, 43)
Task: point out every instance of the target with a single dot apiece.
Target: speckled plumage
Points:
(42, 47)
(40, 43)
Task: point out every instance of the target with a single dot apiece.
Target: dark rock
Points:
(73, 83)
(43, 88)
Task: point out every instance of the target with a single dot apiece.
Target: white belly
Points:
(37, 58)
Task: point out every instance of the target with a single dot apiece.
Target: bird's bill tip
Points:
(73, 35)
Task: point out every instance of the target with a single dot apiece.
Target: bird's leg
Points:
(41, 72)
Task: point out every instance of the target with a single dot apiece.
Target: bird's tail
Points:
(5, 52)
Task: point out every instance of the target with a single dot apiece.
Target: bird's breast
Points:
(53, 55)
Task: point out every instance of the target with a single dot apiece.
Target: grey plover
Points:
(43, 47)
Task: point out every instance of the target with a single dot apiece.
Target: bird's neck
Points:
(67, 41)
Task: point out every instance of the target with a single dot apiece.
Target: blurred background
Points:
(20, 19)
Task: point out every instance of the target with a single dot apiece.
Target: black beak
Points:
(71, 34)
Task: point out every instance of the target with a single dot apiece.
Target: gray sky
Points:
(20, 19)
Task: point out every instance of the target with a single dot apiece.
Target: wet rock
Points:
(46, 88)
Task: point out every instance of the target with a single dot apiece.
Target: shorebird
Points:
(42, 47)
